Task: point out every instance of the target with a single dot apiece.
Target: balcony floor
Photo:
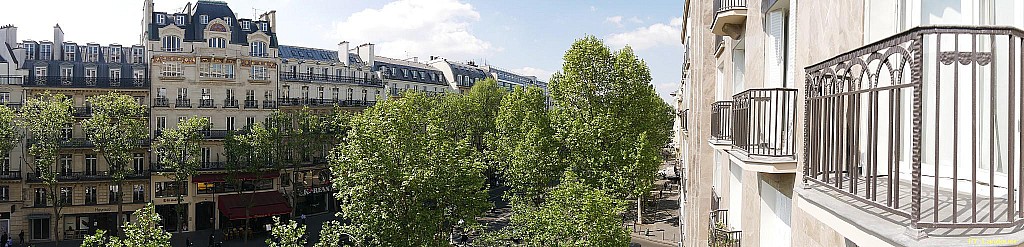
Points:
(880, 220)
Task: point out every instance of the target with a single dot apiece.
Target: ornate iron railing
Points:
(924, 125)
(161, 102)
(763, 122)
(307, 77)
(183, 102)
(251, 103)
(719, 234)
(727, 5)
(721, 121)
(87, 82)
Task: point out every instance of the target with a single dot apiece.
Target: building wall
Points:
(702, 74)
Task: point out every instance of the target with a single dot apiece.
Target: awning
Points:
(263, 204)
(38, 216)
(207, 178)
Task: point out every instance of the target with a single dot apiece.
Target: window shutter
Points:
(775, 49)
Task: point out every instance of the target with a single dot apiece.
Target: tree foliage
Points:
(9, 133)
(573, 214)
(143, 232)
(291, 234)
(523, 145)
(117, 129)
(45, 117)
(178, 150)
(402, 179)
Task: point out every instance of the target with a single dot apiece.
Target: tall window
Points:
(137, 54)
(260, 73)
(320, 92)
(69, 52)
(335, 94)
(114, 55)
(183, 93)
(216, 42)
(258, 49)
(45, 51)
(171, 69)
(115, 73)
(66, 195)
(90, 195)
(5, 193)
(92, 53)
(179, 20)
(263, 26)
(138, 193)
(250, 95)
(204, 19)
(90, 164)
(305, 92)
(171, 43)
(40, 198)
(245, 25)
(65, 165)
(160, 19)
(350, 94)
(205, 93)
(249, 121)
(115, 194)
(30, 51)
(230, 122)
(206, 155)
(138, 163)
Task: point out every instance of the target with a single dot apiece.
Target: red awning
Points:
(263, 204)
(207, 178)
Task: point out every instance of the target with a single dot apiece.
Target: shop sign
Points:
(268, 64)
(314, 190)
(172, 200)
(180, 59)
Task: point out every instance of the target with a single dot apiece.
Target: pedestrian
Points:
(10, 242)
(302, 219)
(21, 236)
(211, 239)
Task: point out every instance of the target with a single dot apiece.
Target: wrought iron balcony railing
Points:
(763, 122)
(183, 102)
(161, 102)
(10, 175)
(307, 77)
(251, 104)
(719, 233)
(727, 5)
(87, 82)
(206, 103)
(12, 80)
(923, 126)
(721, 121)
(230, 103)
(269, 104)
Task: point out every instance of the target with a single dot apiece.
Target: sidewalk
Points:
(661, 220)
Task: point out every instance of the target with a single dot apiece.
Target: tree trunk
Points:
(120, 210)
(640, 210)
(181, 217)
(56, 219)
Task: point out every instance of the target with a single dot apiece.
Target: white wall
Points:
(776, 216)
(735, 196)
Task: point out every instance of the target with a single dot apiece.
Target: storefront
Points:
(77, 226)
(315, 193)
(258, 207)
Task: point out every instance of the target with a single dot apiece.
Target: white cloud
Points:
(417, 28)
(541, 74)
(636, 20)
(617, 20)
(648, 37)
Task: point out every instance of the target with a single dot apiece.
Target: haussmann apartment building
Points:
(852, 123)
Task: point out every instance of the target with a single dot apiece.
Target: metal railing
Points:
(269, 104)
(324, 102)
(721, 121)
(230, 103)
(684, 119)
(161, 102)
(206, 103)
(719, 234)
(307, 77)
(10, 175)
(251, 103)
(763, 122)
(87, 82)
(183, 102)
(12, 80)
(923, 125)
(727, 5)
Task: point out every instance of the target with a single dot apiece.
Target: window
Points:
(258, 49)
(205, 93)
(138, 163)
(40, 73)
(92, 53)
(230, 122)
(245, 25)
(67, 72)
(179, 20)
(204, 19)
(65, 165)
(90, 195)
(335, 93)
(69, 52)
(115, 73)
(161, 92)
(171, 43)
(90, 164)
(5, 164)
(305, 92)
(90, 72)
(40, 199)
(5, 193)
(216, 42)
(138, 74)
(138, 193)
(30, 51)
(250, 95)
(46, 52)
(320, 92)
(183, 93)
(350, 94)
(171, 69)
(137, 54)
(217, 70)
(269, 95)
(263, 26)
(115, 55)
(115, 194)
(249, 121)
(160, 19)
(260, 73)
(170, 189)
(66, 195)
(364, 94)
(405, 73)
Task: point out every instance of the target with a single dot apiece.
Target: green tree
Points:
(402, 179)
(573, 214)
(45, 117)
(178, 150)
(608, 119)
(248, 155)
(483, 100)
(9, 133)
(117, 129)
(143, 232)
(524, 145)
(291, 234)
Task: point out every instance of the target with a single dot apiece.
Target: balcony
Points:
(12, 80)
(252, 104)
(230, 103)
(920, 131)
(763, 122)
(10, 175)
(215, 134)
(161, 102)
(684, 118)
(182, 102)
(720, 234)
(81, 112)
(730, 16)
(206, 103)
(88, 82)
(721, 122)
(307, 77)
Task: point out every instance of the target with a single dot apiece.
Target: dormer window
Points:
(30, 50)
(263, 27)
(160, 19)
(204, 19)
(216, 42)
(258, 49)
(179, 20)
(227, 20)
(245, 25)
(69, 52)
(46, 51)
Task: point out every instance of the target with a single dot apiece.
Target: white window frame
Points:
(160, 19)
(204, 19)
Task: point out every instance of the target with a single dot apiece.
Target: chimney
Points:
(365, 52)
(58, 42)
(147, 18)
(343, 52)
(270, 17)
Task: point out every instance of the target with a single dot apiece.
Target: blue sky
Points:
(528, 36)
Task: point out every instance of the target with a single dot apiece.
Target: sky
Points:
(526, 36)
